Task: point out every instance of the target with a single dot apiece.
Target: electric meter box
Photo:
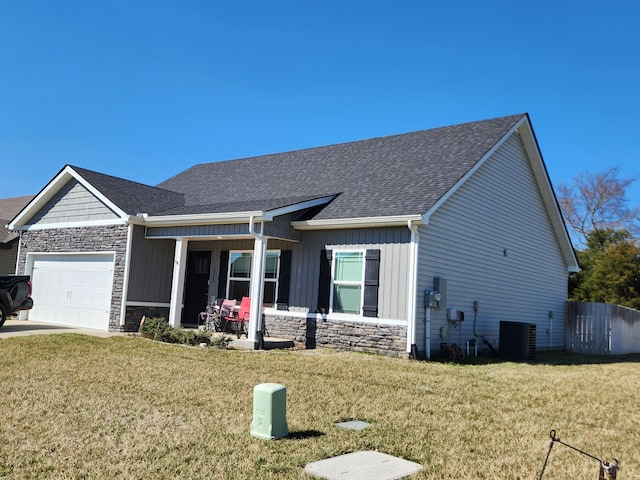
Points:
(269, 411)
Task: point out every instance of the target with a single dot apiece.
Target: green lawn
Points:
(77, 407)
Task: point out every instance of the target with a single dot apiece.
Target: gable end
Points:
(73, 203)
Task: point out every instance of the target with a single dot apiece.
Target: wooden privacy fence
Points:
(602, 329)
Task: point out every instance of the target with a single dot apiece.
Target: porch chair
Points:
(211, 316)
(236, 322)
(227, 310)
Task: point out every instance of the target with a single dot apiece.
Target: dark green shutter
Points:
(285, 277)
(371, 283)
(324, 282)
(222, 276)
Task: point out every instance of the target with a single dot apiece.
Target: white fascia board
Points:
(201, 219)
(91, 223)
(370, 222)
(59, 181)
(548, 194)
(271, 214)
(226, 217)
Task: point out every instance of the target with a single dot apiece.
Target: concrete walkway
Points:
(16, 328)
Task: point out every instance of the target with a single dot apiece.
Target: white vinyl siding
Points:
(493, 242)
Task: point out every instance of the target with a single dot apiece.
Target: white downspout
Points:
(127, 269)
(413, 285)
(257, 282)
(23, 314)
(18, 253)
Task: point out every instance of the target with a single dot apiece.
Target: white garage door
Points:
(73, 289)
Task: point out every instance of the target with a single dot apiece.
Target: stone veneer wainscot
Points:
(110, 238)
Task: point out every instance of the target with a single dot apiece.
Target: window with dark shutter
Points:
(371, 283)
(324, 282)
(222, 276)
(285, 277)
(344, 290)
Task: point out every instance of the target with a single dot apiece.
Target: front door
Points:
(196, 289)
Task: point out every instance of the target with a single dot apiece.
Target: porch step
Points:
(270, 343)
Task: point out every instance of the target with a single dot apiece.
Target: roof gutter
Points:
(198, 219)
(371, 222)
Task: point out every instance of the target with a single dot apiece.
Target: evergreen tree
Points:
(610, 266)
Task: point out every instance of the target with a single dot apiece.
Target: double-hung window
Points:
(347, 282)
(239, 278)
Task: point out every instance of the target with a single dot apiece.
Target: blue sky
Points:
(144, 89)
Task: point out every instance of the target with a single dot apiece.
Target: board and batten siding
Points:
(305, 263)
(493, 243)
(73, 204)
(150, 268)
(198, 230)
(393, 243)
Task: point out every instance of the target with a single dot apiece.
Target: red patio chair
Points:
(236, 321)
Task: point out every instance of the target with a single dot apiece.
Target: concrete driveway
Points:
(15, 328)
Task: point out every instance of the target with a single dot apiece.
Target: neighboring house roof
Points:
(9, 208)
(398, 175)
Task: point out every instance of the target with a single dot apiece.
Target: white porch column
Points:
(256, 290)
(412, 290)
(177, 282)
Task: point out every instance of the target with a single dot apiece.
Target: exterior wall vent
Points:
(517, 341)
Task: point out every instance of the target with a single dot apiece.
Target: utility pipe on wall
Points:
(427, 334)
(550, 329)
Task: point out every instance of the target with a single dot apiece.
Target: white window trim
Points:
(361, 283)
(248, 279)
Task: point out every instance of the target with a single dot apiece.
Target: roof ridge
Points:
(364, 140)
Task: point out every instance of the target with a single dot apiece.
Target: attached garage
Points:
(72, 289)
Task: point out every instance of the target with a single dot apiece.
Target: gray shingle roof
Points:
(255, 205)
(132, 197)
(396, 175)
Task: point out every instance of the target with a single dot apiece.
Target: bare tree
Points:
(597, 202)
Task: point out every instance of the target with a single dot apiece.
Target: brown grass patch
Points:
(80, 407)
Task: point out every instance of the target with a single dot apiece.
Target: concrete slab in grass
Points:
(367, 465)
(353, 425)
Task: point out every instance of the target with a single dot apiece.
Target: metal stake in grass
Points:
(608, 471)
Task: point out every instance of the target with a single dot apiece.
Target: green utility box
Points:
(269, 411)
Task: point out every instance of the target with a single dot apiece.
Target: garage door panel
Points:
(73, 289)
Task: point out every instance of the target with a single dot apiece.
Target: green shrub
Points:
(155, 328)
(159, 329)
(221, 342)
